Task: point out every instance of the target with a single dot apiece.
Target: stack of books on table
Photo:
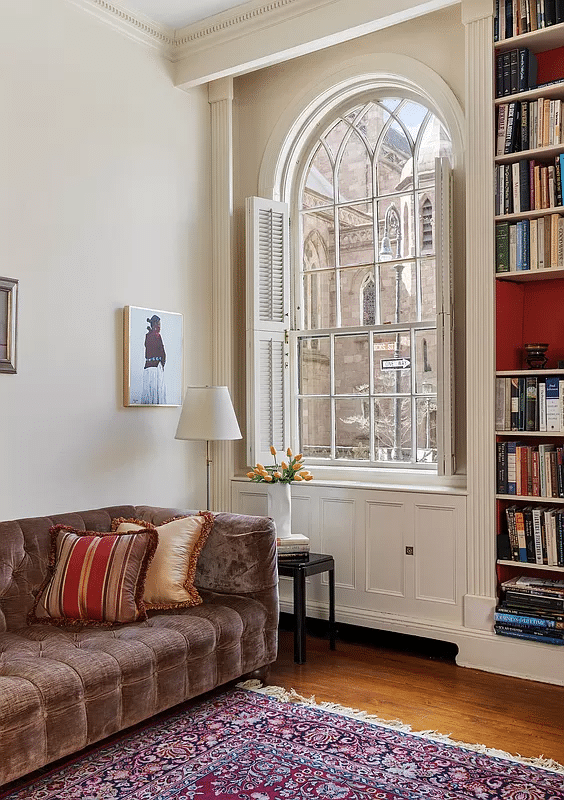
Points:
(295, 546)
(533, 608)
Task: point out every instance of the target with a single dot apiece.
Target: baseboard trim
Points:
(476, 649)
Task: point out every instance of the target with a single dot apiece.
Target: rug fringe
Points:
(291, 696)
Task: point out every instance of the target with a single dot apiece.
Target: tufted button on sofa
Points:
(62, 688)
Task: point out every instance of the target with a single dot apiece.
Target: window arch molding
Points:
(303, 118)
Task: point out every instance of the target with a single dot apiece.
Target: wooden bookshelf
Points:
(527, 310)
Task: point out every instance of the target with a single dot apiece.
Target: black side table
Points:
(298, 569)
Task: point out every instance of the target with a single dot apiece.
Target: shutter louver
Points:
(445, 342)
(267, 325)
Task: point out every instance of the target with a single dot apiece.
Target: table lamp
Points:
(207, 415)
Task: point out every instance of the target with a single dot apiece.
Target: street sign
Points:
(395, 363)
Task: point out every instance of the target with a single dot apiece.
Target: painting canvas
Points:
(8, 316)
(152, 357)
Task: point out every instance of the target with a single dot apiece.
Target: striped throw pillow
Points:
(94, 577)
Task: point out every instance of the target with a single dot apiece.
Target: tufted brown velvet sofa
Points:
(64, 688)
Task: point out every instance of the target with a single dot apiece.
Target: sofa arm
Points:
(239, 556)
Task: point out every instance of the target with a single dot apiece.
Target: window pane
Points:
(392, 363)
(395, 164)
(314, 365)
(319, 300)
(356, 234)
(319, 240)
(392, 429)
(396, 231)
(357, 297)
(412, 115)
(426, 430)
(319, 181)
(315, 427)
(434, 143)
(426, 206)
(335, 136)
(352, 424)
(372, 123)
(426, 362)
(351, 364)
(398, 293)
(355, 171)
(428, 290)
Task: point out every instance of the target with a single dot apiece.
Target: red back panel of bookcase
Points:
(550, 65)
(526, 313)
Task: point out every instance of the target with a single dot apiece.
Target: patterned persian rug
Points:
(245, 744)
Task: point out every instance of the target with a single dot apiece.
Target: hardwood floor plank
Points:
(511, 714)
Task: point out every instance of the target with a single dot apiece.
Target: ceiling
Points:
(178, 13)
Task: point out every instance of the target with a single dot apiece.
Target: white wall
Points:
(104, 203)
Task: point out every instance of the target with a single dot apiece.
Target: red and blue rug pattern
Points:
(241, 745)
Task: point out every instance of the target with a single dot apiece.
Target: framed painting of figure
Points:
(152, 359)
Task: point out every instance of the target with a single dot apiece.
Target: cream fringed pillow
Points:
(170, 576)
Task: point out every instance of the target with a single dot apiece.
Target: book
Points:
(532, 620)
(531, 404)
(501, 467)
(511, 468)
(553, 416)
(502, 246)
(531, 636)
(501, 129)
(527, 584)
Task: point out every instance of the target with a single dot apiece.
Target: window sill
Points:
(398, 480)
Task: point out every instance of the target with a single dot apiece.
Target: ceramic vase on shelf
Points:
(280, 508)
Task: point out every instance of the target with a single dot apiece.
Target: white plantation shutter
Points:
(445, 342)
(267, 234)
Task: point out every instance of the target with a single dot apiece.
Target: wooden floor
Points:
(413, 685)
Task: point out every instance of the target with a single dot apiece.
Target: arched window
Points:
(364, 328)
(365, 192)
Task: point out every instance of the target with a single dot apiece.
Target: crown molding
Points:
(215, 30)
(134, 26)
(254, 15)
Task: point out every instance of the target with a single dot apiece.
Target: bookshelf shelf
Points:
(530, 498)
(531, 275)
(538, 41)
(549, 91)
(538, 212)
(508, 373)
(529, 565)
(538, 152)
(536, 434)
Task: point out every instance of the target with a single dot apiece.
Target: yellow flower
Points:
(277, 474)
(259, 467)
(299, 457)
(284, 465)
(251, 474)
(309, 478)
(289, 453)
(268, 477)
(304, 473)
(298, 478)
(263, 472)
(272, 449)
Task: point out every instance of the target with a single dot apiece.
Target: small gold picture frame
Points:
(8, 323)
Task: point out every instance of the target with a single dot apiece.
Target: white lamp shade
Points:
(207, 414)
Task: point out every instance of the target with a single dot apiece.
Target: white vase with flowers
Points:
(278, 478)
